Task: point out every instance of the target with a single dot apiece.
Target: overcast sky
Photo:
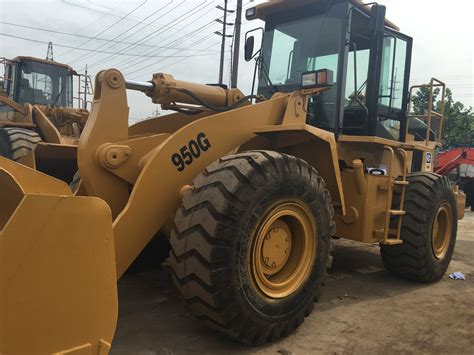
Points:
(178, 37)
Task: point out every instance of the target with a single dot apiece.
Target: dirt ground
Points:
(363, 310)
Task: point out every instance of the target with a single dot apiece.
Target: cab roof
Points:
(50, 62)
(272, 6)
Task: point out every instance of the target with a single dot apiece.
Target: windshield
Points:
(293, 47)
(44, 84)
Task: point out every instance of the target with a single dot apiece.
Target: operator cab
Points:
(37, 81)
(369, 58)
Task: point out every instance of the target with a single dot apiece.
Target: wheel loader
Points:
(36, 105)
(250, 190)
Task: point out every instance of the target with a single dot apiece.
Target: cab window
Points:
(392, 87)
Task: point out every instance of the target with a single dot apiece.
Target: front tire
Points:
(251, 244)
(428, 230)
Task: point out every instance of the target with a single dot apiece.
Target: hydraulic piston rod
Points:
(143, 86)
(164, 89)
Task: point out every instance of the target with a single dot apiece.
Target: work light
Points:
(250, 13)
(318, 78)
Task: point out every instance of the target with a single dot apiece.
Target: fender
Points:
(313, 145)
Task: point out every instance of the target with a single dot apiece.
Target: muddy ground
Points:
(363, 310)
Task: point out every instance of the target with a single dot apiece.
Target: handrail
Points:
(428, 118)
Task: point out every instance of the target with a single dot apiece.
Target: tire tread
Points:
(198, 259)
(413, 259)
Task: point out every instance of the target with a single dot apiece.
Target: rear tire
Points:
(17, 142)
(233, 217)
(428, 230)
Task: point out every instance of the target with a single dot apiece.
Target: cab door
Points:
(392, 100)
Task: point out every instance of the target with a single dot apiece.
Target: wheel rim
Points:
(442, 230)
(283, 250)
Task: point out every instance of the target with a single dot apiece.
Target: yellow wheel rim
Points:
(442, 230)
(283, 250)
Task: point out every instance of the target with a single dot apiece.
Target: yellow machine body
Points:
(62, 251)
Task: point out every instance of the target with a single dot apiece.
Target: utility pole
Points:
(224, 36)
(49, 55)
(84, 89)
(235, 61)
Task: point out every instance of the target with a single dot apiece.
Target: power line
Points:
(181, 60)
(111, 45)
(98, 51)
(89, 23)
(90, 9)
(83, 36)
(199, 41)
(171, 64)
(93, 9)
(194, 32)
(200, 29)
(151, 35)
(159, 30)
(178, 51)
(107, 28)
(137, 44)
(106, 7)
(188, 15)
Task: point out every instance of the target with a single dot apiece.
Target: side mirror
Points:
(249, 46)
(377, 19)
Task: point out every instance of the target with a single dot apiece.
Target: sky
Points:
(177, 37)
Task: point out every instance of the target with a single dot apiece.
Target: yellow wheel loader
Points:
(249, 189)
(36, 105)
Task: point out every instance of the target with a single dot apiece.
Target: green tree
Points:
(421, 99)
(459, 121)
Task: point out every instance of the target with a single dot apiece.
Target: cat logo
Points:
(429, 161)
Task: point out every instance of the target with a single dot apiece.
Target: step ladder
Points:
(392, 236)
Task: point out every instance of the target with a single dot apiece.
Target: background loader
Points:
(250, 195)
(36, 105)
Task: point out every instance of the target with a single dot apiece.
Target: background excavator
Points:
(459, 163)
(250, 190)
(36, 105)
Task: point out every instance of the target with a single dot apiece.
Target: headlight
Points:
(250, 13)
(317, 78)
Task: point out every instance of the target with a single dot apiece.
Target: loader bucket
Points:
(58, 290)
